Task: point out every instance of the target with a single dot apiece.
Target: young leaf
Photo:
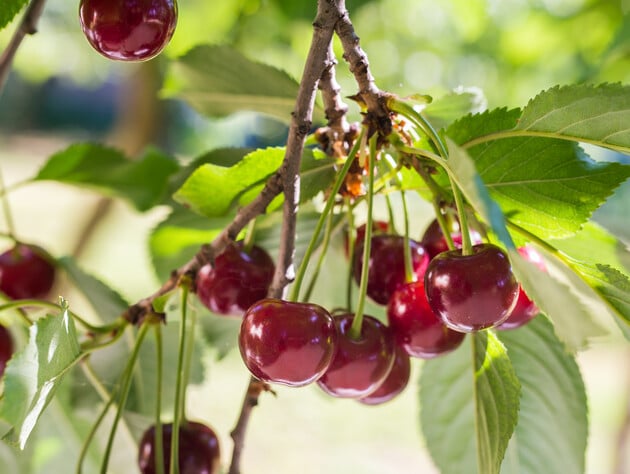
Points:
(33, 374)
(217, 81)
(454, 105)
(594, 114)
(143, 182)
(467, 426)
(552, 430)
(9, 9)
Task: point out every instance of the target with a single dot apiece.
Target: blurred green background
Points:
(61, 91)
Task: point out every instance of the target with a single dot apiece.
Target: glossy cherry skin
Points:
(416, 328)
(471, 292)
(360, 365)
(199, 451)
(236, 281)
(396, 380)
(287, 343)
(6, 348)
(387, 265)
(525, 309)
(128, 30)
(434, 242)
(26, 271)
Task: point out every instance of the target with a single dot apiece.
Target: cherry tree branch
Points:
(28, 26)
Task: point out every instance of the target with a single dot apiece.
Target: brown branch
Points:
(336, 108)
(28, 26)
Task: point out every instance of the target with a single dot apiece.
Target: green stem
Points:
(159, 442)
(127, 375)
(446, 229)
(357, 322)
(409, 273)
(190, 347)
(463, 220)
(351, 245)
(295, 290)
(250, 236)
(390, 213)
(179, 411)
(322, 256)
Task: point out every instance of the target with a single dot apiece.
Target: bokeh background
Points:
(61, 92)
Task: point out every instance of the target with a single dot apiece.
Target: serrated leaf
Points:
(107, 302)
(490, 122)
(143, 182)
(217, 81)
(9, 9)
(552, 430)
(449, 405)
(595, 114)
(34, 373)
(573, 324)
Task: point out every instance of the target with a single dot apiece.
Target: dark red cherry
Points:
(395, 382)
(199, 451)
(471, 292)
(128, 30)
(525, 309)
(237, 280)
(378, 227)
(434, 242)
(360, 365)
(287, 343)
(6, 348)
(416, 327)
(26, 271)
(387, 265)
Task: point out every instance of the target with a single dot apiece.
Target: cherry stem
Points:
(126, 378)
(390, 213)
(295, 290)
(179, 412)
(410, 277)
(357, 321)
(322, 256)
(250, 236)
(351, 246)
(159, 441)
(463, 220)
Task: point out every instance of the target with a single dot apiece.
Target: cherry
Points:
(416, 327)
(387, 265)
(198, 449)
(471, 292)
(26, 271)
(434, 242)
(525, 309)
(378, 227)
(237, 280)
(360, 365)
(6, 348)
(128, 30)
(287, 343)
(395, 382)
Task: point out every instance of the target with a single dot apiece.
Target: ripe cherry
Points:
(287, 343)
(525, 309)
(237, 279)
(26, 271)
(387, 265)
(395, 382)
(416, 327)
(360, 365)
(434, 242)
(378, 227)
(471, 292)
(6, 348)
(128, 30)
(198, 449)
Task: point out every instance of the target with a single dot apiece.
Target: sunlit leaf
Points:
(9, 9)
(33, 374)
(552, 427)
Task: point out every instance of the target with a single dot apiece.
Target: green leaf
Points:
(34, 373)
(594, 114)
(9, 9)
(143, 182)
(449, 107)
(217, 81)
(573, 324)
(212, 190)
(467, 428)
(107, 303)
(552, 429)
